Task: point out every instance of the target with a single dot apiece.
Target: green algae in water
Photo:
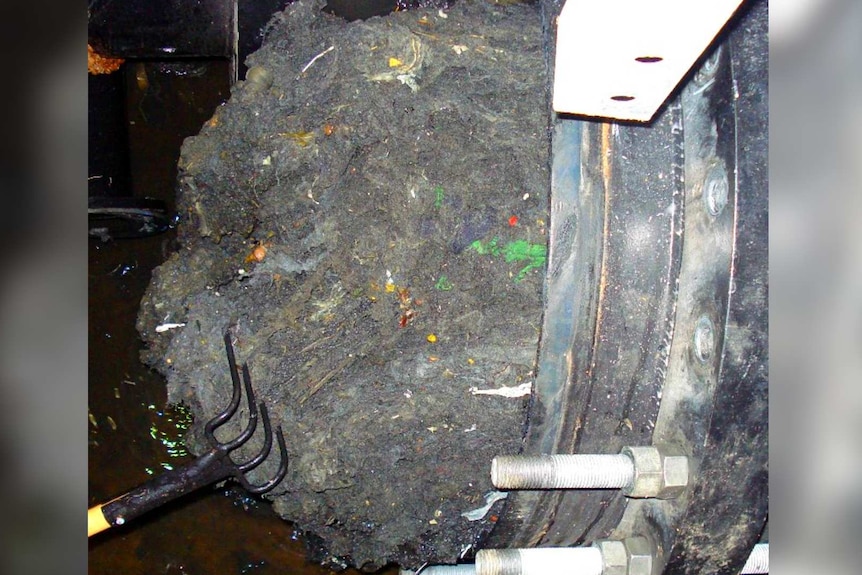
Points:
(168, 428)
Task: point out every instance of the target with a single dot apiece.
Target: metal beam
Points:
(621, 59)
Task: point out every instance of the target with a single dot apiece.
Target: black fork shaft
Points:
(206, 469)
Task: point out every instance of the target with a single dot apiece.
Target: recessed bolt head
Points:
(716, 190)
(704, 339)
(640, 555)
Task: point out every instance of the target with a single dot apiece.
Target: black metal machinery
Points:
(655, 327)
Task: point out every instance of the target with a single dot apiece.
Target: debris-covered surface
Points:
(368, 213)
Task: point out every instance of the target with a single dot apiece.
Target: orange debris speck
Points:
(257, 254)
(97, 64)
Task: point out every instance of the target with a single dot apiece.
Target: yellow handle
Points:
(96, 522)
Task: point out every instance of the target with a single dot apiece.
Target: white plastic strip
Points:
(168, 326)
(621, 59)
(491, 498)
(506, 391)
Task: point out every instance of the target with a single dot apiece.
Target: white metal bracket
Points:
(621, 59)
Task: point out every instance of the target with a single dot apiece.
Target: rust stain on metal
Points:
(607, 173)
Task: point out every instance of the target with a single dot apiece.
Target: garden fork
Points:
(213, 466)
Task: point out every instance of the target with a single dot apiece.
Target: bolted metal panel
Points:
(615, 249)
(593, 393)
(729, 503)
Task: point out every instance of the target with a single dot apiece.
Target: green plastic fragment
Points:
(489, 248)
(536, 255)
(520, 250)
(438, 196)
(443, 284)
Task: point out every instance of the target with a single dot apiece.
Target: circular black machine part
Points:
(655, 328)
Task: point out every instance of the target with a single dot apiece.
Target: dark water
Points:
(132, 436)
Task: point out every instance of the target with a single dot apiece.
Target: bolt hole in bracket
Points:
(627, 69)
(655, 331)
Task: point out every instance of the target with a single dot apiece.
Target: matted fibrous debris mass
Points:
(368, 214)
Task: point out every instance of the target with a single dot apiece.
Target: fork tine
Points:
(267, 442)
(252, 414)
(279, 475)
(230, 410)
(255, 412)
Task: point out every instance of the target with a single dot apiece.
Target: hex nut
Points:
(639, 556)
(675, 476)
(659, 472)
(648, 476)
(614, 557)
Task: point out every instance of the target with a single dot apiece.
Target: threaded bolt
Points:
(578, 471)
(539, 561)
(462, 569)
(633, 556)
(758, 561)
(640, 471)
